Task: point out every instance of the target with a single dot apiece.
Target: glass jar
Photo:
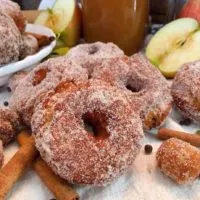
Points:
(123, 22)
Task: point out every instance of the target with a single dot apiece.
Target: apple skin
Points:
(71, 35)
(66, 27)
(169, 38)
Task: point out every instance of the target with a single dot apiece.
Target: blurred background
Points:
(161, 11)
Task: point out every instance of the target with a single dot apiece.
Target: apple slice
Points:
(169, 38)
(64, 19)
(187, 52)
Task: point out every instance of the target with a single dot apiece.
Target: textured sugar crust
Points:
(10, 40)
(1, 154)
(150, 91)
(29, 46)
(9, 124)
(42, 79)
(91, 55)
(179, 160)
(186, 90)
(14, 11)
(71, 151)
(15, 79)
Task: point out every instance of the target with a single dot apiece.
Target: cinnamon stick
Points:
(164, 134)
(43, 40)
(16, 167)
(56, 185)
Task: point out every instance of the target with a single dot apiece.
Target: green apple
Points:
(188, 52)
(175, 44)
(60, 51)
(64, 19)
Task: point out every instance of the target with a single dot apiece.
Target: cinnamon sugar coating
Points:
(42, 79)
(15, 79)
(9, 125)
(144, 84)
(29, 46)
(76, 153)
(1, 154)
(10, 40)
(14, 11)
(179, 160)
(90, 55)
(186, 90)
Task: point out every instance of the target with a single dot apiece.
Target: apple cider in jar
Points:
(122, 22)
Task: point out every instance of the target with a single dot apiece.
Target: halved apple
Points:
(175, 44)
(64, 19)
(188, 52)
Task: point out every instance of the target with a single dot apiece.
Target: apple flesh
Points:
(175, 44)
(64, 19)
(188, 52)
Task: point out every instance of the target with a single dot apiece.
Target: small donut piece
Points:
(15, 80)
(10, 40)
(179, 160)
(29, 46)
(14, 11)
(1, 154)
(73, 151)
(89, 55)
(10, 124)
(186, 91)
(42, 79)
(144, 84)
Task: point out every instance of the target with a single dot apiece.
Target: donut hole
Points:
(39, 76)
(93, 50)
(95, 124)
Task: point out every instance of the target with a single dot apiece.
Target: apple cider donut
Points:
(15, 80)
(186, 91)
(10, 123)
(10, 40)
(29, 46)
(40, 80)
(14, 11)
(179, 160)
(145, 85)
(88, 134)
(89, 55)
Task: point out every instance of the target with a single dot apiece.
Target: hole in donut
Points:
(39, 76)
(134, 84)
(132, 88)
(95, 124)
(93, 50)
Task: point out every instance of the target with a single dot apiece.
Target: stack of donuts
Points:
(88, 109)
(15, 42)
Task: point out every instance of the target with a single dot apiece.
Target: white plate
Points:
(7, 70)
